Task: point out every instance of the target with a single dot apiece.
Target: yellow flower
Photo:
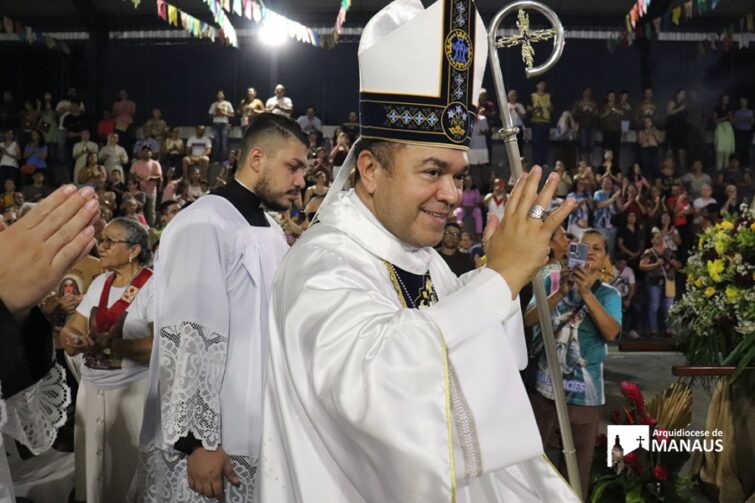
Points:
(726, 225)
(721, 242)
(699, 282)
(715, 268)
(709, 291)
(732, 292)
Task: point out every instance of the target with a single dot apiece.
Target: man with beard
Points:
(202, 424)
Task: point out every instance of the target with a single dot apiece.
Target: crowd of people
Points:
(649, 207)
(638, 217)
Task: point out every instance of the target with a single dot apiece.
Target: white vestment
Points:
(367, 401)
(213, 275)
(32, 417)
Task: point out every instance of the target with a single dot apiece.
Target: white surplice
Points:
(33, 417)
(213, 275)
(367, 401)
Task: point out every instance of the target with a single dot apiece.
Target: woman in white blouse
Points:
(115, 351)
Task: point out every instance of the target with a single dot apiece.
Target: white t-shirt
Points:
(136, 326)
(224, 106)
(284, 102)
(623, 281)
(701, 202)
(8, 160)
(309, 126)
(478, 134)
(199, 146)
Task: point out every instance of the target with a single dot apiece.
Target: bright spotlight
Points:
(272, 33)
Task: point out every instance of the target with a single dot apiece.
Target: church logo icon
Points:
(623, 439)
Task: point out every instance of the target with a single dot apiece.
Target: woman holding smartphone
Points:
(585, 313)
(115, 351)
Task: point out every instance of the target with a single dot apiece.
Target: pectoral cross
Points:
(526, 37)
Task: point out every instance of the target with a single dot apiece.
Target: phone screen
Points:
(577, 255)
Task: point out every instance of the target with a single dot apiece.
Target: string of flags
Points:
(255, 10)
(638, 27)
(341, 18)
(196, 27)
(29, 35)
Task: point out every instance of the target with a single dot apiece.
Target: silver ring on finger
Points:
(536, 212)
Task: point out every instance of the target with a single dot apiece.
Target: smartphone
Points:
(577, 255)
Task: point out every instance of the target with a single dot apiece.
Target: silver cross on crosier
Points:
(526, 38)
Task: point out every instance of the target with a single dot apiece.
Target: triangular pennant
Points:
(688, 9)
(227, 5)
(676, 15)
(237, 7)
(172, 15)
(162, 10)
(247, 9)
(8, 25)
(702, 6)
(657, 24)
(195, 28)
(629, 23)
(714, 4)
(256, 11)
(136, 3)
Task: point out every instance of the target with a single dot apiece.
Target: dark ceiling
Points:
(121, 14)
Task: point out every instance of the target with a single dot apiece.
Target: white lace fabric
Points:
(34, 415)
(192, 364)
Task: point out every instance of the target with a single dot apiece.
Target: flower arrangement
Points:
(641, 476)
(715, 319)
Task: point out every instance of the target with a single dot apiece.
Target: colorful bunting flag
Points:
(237, 7)
(688, 9)
(162, 10)
(341, 18)
(27, 34)
(177, 17)
(676, 15)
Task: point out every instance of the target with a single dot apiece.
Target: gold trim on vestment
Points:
(446, 383)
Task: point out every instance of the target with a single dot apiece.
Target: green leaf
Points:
(634, 495)
(599, 488)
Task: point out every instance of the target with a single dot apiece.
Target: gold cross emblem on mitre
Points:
(526, 37)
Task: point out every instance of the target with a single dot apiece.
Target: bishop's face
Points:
(415, 198)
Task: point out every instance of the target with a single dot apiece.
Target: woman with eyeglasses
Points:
(115, 352)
